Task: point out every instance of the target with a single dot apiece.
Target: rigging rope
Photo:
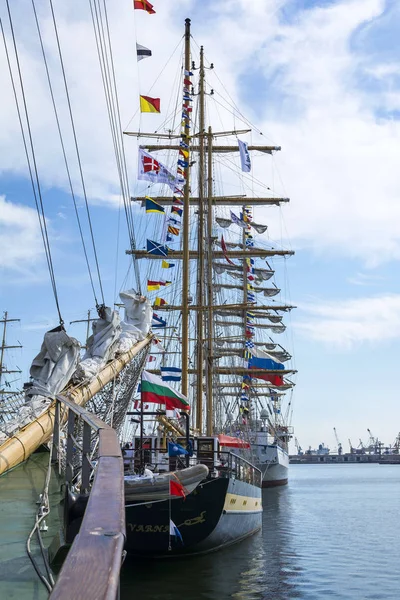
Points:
(63, 151)
(77, 149)
(36, 193)
(106, 62)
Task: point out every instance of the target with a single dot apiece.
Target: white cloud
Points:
(339, 161)
(20, 240)
(365, 279)
(348, 323)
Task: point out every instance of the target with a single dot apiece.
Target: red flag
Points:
(144, 5)
(176, 488)
(187, 82)
(224, 250)
(151, 359)
(150, 164)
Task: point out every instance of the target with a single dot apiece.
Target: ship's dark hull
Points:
(219, 512)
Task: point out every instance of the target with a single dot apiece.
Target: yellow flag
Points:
(151, 105)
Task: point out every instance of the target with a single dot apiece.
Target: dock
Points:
(307, 459)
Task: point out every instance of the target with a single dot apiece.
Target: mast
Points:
(200, 290)
(4, 347)
(210, 328)
(185, 267)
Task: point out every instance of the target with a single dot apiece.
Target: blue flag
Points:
(176, 449)
(156, 248)
(158, 322)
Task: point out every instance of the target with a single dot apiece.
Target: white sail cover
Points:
(101, 345)
(137, 319)
(50, 371)
(106, 331)
(53, 367)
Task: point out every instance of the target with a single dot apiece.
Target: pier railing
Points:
(91, 569)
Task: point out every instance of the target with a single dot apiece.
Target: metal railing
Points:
(240, 468)
(225, 464)
(91, 569)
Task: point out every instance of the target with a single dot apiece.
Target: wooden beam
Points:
(219, 200)
(238, 371)
(227, 307)
(216, 149)
(193, 254)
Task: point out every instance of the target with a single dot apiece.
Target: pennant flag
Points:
(142, 52)
(177, 200)
(183, 163)
(184, 153)
(158, 322)
(173, 530)
(153, 286)
(187, 82)
(144, 5)
(169, 238)
(183, 145)
(155, 390)
(159, 302)
(167, 265)
(224, 250)
(151, 358)
(176, 211)
(173, 230)
(176, 450)
(153, 170)
(160, 347)
(153, 207)
(150, 105)
(171, 373)
(188, 73)
(156, 248)
(187, 98)
(237, 221)
(244, 156)
(176, 488)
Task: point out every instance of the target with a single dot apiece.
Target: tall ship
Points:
(210, 264)
(193, 333)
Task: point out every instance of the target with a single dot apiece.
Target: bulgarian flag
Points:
(154, 389)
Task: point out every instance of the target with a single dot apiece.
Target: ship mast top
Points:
(3, 369)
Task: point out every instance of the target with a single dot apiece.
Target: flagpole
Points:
(210, 328)
(141, 470)
(186, 209)
(200, 270)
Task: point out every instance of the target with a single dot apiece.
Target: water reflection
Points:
(271, 568)
(262, 567)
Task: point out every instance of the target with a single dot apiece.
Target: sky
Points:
(322, 80)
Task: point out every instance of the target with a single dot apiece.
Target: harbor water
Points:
(333, 532)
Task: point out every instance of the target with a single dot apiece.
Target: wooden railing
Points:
(91, 569)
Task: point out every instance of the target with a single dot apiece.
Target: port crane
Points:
(339, 445)
(374, 445)
(298, 447)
